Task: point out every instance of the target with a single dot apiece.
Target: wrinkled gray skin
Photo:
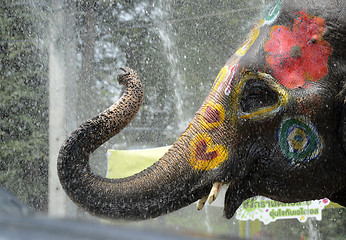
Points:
(286, 142)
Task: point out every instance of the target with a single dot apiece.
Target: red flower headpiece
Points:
(299, 55)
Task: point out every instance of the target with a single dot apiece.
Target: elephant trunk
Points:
(166, 186)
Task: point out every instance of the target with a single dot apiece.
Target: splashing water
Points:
(167, 35)
(207, 220)
(314, 233)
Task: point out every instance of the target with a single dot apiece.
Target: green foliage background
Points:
(23, 104)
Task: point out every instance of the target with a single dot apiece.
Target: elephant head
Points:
(272, 125)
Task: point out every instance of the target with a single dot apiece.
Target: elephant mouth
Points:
(237, 192)
(211, 197)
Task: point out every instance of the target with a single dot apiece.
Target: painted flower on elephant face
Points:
(299, 55)
(205, 154)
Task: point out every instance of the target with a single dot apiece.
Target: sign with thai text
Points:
(267, 210)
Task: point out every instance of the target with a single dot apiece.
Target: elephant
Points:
(273, 125)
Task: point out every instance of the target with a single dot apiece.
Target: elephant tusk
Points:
(201, 202)
(214, 192)
(211, 197)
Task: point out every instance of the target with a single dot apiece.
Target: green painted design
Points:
(299, 140)
(273, 12)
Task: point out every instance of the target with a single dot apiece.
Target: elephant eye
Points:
(257, 94)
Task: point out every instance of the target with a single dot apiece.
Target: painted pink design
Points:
(230, 79)
(211, 115)
(298, 56)
(202, 153)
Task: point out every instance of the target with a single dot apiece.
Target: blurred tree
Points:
(87, 96)
(23, 102)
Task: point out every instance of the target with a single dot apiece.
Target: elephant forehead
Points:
(293, 52)
(224, 79)
(298, 55)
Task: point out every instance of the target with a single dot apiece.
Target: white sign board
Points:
(267, 210)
